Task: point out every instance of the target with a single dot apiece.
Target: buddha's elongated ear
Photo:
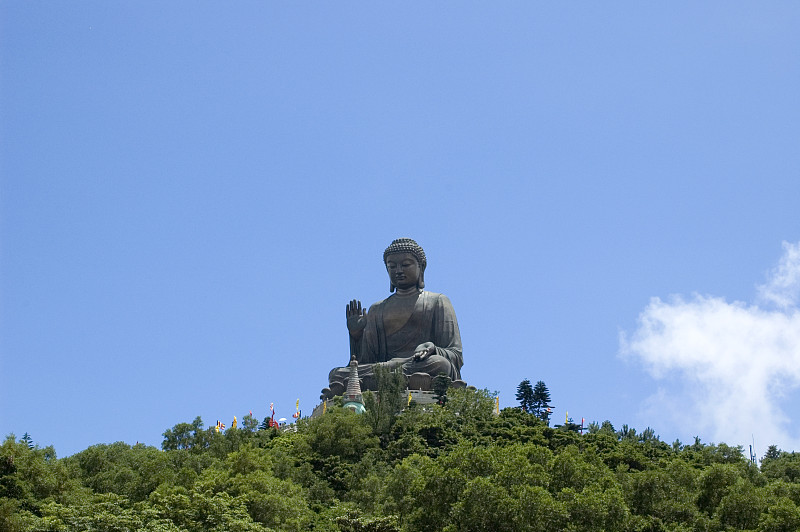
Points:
(391, 284)
(421, 280)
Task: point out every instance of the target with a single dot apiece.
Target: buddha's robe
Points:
(433, 320)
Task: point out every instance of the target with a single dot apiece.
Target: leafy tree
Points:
(383, 407)
(667, 495)
(539, 511)
(772, 453)
(782, 516)
(627, 433)
(272, 502)
(741, 508)
(352, 520)
(340, 433)
(648, 435)
(596, 508)
(785, 466)
(570, 469)
(440, 385)
(29, 479)
(570, 425)
(422, 431)
(184, 436)
(715, 482)
(249, 423)
(265, 424)
(525, 396)
(472, 410)
(133, 472)
(495, 511)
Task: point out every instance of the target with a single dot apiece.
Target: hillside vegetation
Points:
(456, 467)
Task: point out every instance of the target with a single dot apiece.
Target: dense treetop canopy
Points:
(452, 467)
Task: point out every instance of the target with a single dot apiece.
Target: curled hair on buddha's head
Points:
(407, 245)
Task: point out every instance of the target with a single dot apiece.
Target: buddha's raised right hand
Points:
(356, 318)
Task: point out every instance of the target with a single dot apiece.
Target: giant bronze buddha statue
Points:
(412, 330)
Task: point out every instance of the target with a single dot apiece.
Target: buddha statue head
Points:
(397, 258)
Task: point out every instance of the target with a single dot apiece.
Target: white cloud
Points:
(783, 286)
(723, 368)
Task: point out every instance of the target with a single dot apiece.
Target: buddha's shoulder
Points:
(436, 299)
(434, 295)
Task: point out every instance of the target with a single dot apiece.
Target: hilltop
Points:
(453, 467)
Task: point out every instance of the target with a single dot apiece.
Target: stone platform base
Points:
(421, 397)
(415, 381)
(418, 396)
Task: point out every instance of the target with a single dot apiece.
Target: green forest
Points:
(454, 466)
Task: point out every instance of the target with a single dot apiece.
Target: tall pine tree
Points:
(525, 396)
(540, 402)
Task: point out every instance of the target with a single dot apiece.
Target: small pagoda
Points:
(352, 395)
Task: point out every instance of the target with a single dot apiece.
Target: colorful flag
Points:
(409, 398)
(497, 404)
(233, 425)
(324, 407)
(566, 417)
(297, 405)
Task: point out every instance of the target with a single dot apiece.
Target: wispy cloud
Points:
(724, 368)
(783, 286)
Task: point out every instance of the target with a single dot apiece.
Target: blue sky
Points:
(190, 193)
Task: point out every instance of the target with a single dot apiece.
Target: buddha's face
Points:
(403, 270)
